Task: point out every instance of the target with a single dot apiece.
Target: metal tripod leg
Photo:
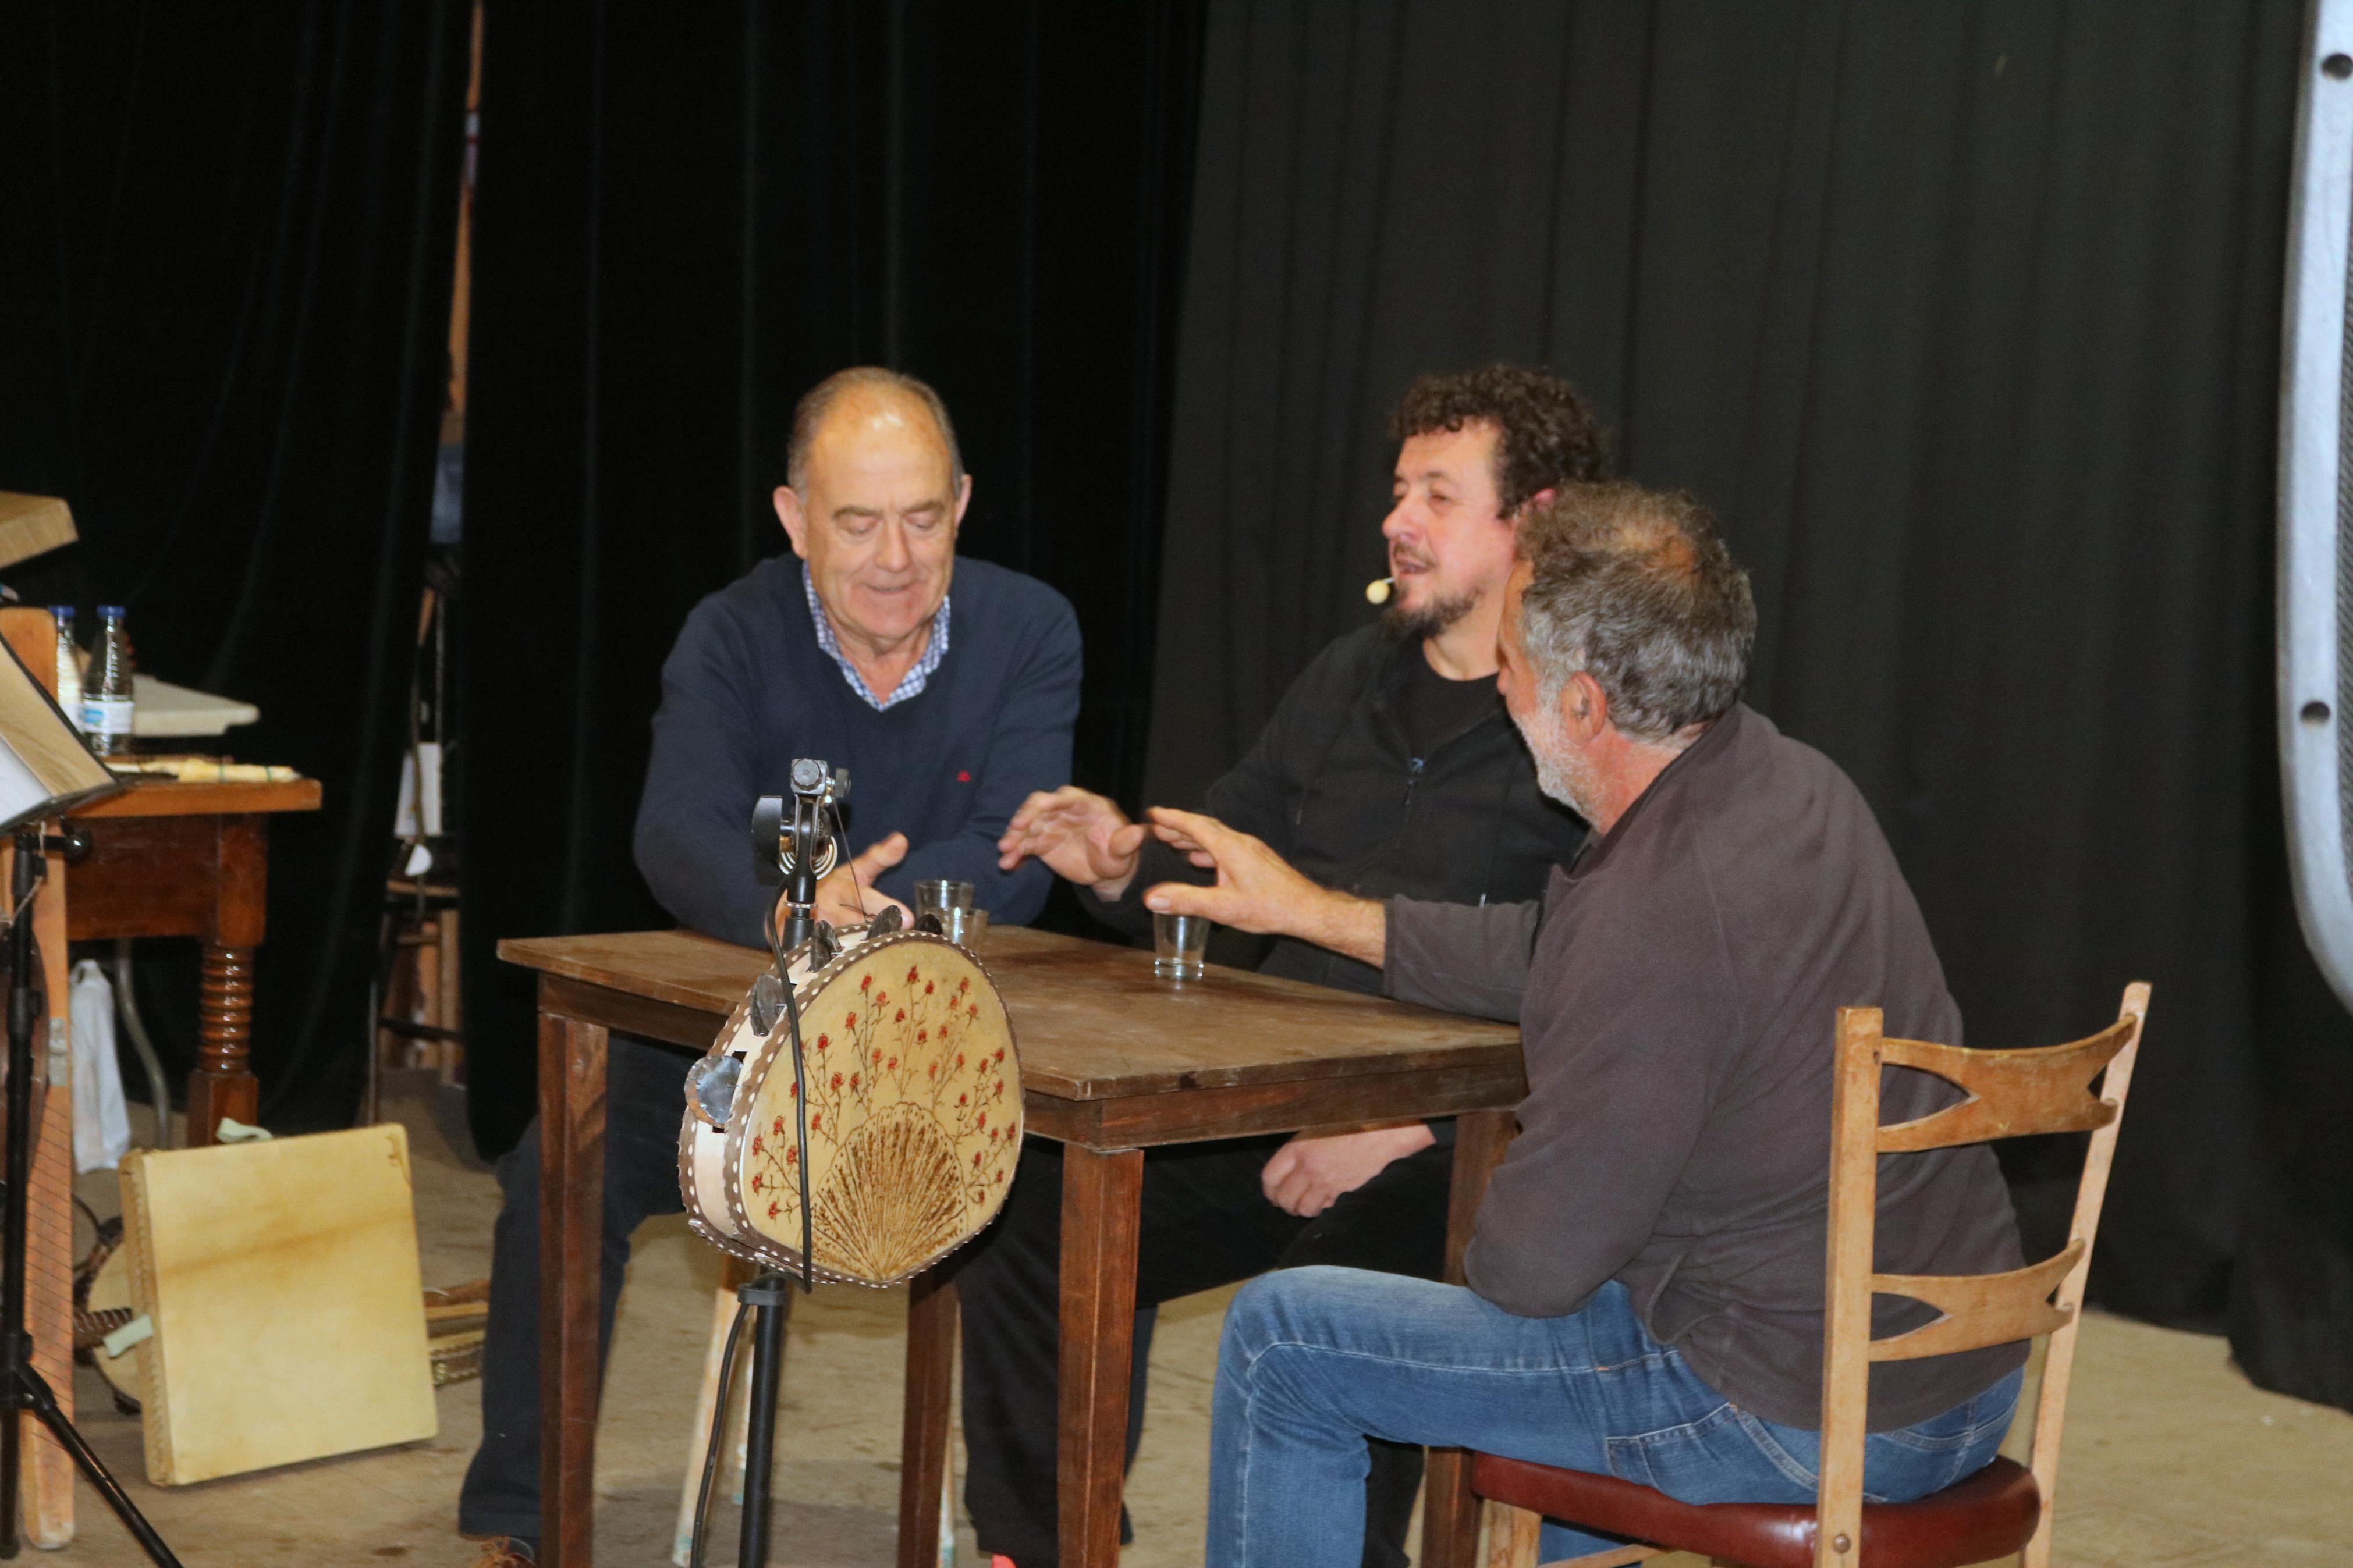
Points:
(769, 1296)
(32, 1393)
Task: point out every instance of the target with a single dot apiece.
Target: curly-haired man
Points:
(1390, 768)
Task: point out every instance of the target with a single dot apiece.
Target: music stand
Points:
(45, 770)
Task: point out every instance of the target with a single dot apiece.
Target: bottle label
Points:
(106, 716)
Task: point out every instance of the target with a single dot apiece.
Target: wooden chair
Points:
(2002, 1509)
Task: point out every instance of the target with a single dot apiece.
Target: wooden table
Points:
(1112, 1061)
(168, 858)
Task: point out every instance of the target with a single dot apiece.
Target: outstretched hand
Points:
(1257, 891)
(847, 895)
(1080, 836)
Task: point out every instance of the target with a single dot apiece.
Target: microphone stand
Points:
(770, 1294)
(21, 1387)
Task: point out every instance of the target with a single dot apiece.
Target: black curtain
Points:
(685, 218)
(225, 276)
(1965, 318)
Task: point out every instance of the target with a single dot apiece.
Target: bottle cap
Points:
(62, 612)
(110, 611)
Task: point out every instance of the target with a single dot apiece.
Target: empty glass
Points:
(966, 928)
(1179, 942)
(937, 897)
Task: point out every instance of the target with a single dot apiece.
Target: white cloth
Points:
(102, 1124)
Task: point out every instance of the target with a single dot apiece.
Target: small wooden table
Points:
(1112, 1061)
(168, 858)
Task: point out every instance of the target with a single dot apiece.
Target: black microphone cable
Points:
(801, 1102)
(718, 1434)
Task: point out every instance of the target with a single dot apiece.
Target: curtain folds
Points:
(225, 283)
(1965, 318)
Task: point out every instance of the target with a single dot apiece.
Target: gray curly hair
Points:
(1636, 588)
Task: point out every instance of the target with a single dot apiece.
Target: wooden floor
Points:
(2172, 1458)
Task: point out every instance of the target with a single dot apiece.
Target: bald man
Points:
(947, 708)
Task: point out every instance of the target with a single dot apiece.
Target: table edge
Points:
(205, 798)
(632, 1008)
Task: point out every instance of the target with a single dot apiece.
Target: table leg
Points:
(571, 1223)
(1102, 1195)
(223, 1083)
(448, 1010)
(1450, 1518)
(48, 1477)
(924, 1434)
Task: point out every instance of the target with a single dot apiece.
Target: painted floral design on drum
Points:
(915, 1114)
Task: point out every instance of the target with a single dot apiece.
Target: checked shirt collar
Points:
(910, 684)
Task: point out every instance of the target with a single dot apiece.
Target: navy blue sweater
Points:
(746, 689)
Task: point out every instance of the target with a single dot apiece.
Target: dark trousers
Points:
(645, 1094)
(1205, 1223)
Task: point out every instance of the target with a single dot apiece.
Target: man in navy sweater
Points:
(948, 710)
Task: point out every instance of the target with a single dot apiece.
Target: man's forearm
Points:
(1352, 927)
(703, 880)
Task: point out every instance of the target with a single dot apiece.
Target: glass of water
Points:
(966, 928)
(1179, 942)
(937, 897)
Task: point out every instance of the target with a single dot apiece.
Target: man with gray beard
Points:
(1646, 1293)
(1390, 768)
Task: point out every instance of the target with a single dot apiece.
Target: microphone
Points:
(792, 843)
(1378, 590)
(779, 822)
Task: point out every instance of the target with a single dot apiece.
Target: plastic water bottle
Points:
(106, 706)
(69, 667)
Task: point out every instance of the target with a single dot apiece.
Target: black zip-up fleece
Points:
(1333, 787)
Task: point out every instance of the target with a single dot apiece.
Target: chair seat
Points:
(1991, 1514)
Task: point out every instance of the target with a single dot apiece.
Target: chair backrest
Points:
(2010, 1094)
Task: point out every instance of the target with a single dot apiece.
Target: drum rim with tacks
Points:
(713, 1160)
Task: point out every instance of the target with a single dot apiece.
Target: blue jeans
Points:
(1317, 1360)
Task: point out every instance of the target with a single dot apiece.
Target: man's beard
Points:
(1399, 622)
(1560, 771)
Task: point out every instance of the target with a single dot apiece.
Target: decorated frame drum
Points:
(914, 1116)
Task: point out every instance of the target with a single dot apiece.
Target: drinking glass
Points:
(966, 928)
(937, 897)
(1179, 942)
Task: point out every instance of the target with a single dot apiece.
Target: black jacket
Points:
(1333, 786)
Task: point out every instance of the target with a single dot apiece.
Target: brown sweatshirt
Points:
(1676, 999)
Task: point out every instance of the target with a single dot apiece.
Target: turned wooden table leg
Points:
(223, 1083)
(1450, 1516)
(1101, 1198)
(924, 1434)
